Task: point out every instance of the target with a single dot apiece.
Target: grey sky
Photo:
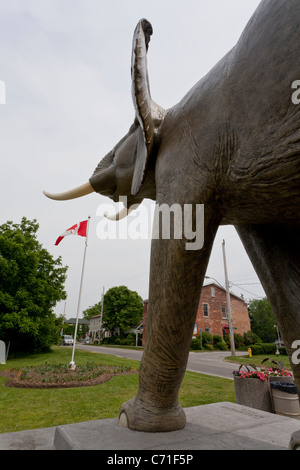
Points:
(66, 66)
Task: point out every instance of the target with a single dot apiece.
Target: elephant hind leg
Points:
(275, 254)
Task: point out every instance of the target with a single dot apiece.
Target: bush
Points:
(130, 340)
(269, 348)
(208, 346)
(282, 350)
(219, 343)
(221, 346)
(196, 344)
(121, 340)
(207, 338)
(109, 340)
(239, 341)
(217, 339)
(256, 349)
(251, 338)
(263, 348)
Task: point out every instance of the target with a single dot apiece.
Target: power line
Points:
(255, 295)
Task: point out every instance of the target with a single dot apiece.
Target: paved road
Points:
(211, 363)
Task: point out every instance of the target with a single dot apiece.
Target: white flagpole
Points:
(72, 363)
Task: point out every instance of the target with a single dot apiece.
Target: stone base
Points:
(219, 426)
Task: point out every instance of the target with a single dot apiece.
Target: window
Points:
(213, 292)
(205, 310)
(224, 314)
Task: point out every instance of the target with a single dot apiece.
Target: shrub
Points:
(130, 340)
(227, 339)
(239, 341)
(263, 348)
(196, 344)
(217, 339)
(221, 346)
(251, 338)
(269, 348)
(219, 343)
(282, 350)
(207, 338)
(256, 349)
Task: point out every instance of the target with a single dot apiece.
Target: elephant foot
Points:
(295, 441)
(140, 416)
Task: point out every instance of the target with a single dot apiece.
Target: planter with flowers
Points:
(252, 384)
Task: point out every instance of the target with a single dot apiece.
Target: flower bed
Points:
(61, 376)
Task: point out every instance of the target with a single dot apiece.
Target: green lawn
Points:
(257, 360)
(22, 408)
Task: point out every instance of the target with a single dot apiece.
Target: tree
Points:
(122, 308)
(92, 311)
(262, 320)
(31, 283)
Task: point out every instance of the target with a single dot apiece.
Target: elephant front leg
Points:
(175, 285)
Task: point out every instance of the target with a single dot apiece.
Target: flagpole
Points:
(72, 363)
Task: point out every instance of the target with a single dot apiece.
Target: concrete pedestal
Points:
(219, 426)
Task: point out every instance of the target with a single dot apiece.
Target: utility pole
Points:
(101, 316)
(232, 345)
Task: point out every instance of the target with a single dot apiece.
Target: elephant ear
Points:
(148, 113)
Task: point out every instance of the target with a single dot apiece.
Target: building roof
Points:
(213, 284)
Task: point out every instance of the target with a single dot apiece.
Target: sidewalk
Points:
(219, 426)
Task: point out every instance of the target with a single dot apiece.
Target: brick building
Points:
(212, 313)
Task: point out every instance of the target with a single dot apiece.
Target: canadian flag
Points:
(78, 229)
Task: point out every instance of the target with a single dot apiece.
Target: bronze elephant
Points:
(231, 144)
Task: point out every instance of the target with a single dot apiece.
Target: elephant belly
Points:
(268, 192)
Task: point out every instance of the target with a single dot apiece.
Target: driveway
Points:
(210, 363)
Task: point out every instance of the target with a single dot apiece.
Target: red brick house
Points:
(212, 313)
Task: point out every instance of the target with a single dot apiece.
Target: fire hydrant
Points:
(250, 352)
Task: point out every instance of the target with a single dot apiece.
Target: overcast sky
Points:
(66, 66)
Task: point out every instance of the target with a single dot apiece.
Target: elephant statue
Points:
(231, 144)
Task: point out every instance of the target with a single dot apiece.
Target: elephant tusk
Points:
(124, 212)
(80, 191)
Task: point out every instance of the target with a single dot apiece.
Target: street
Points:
(210, 363)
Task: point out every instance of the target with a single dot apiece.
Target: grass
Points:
(22, 409)
(257, 360)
